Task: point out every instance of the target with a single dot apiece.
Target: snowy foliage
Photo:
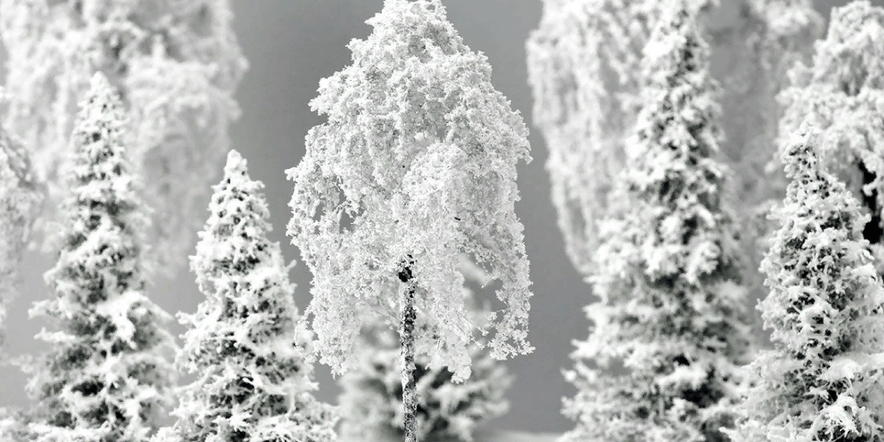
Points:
(585, 69)
(841, 94)
(823, 380)
(19, 203)
(176, 63)
(372, 398)
(245, 345)
(415, 166)
(661, 362)
(106, 377)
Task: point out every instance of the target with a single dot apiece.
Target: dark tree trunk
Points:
(407, 318)
(873, 231)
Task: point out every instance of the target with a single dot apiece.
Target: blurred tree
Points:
(176, 64)
(415, 166)
(106, 377)
(670, 330)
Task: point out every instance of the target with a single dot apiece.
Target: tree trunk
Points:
(406, 349)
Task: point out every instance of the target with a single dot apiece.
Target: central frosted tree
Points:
(106, 377)
(254, 381)
(661, 362)
(415, 166)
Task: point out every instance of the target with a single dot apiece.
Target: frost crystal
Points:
(245, 345)
(176, 63)
(106, 378)
(669, 330)
(823, 380)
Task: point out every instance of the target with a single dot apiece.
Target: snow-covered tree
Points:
(245, 344)
(19, 203)
(106, 377)
(585, 69)
(415, 166)
(823, 381)
(176, 64)
(371, 403)
(669, 334)
(841, 93)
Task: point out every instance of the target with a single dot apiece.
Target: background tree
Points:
(105, 378)
(19, 203)
(661, 362)
(254, 381)
(823, 380)
(371, 403)
(585, 69)
(177, 65)
(841, 93)
(415, 166)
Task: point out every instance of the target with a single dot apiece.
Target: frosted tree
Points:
(245, 345)
(371, 402)
(19, 204)
(585, 69)
(415, 166)
(661, 362)
(106, 377)
(176, 63)
(840, 93)
(823, 380)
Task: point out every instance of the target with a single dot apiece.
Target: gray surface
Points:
(290, 46)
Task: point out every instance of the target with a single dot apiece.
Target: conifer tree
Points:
(371, 403)
(585, 69)
(415, 166)
(840, 93)
(106, 377)
(176, 64)
(19, 203)
(245, 344)
(661, 362)
(823, 379)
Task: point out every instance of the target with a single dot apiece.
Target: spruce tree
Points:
(669, 333)
(585, 70)
(825, 310)
(840, 93)
(106, 377)
(245, 343)
(415, 167)
(176, 64)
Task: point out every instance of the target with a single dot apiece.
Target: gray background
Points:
(291, 45)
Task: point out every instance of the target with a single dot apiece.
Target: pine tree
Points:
(176, 64)
(106, 377)
(415, 166)
(823, 380)
(661, 362)
(245, 345)
(840, 93)
(19, 204)
(371, 403)
(585, 69)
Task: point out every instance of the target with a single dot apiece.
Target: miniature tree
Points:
(371, 402)
(415, 166)
(19, 204)
(176, 64)
(823, 380)
(661, 362)
(106, 377)
(254, 380)
(840, 94)
(585, 69)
